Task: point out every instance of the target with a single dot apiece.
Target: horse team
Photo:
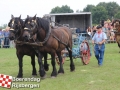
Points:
(35, 37)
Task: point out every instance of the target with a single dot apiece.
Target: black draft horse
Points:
(49, 40)
(16, 26)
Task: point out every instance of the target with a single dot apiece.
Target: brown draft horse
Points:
(116, 25)
(49, 40)
(16, 26)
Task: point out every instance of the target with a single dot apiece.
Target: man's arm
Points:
(102, 41)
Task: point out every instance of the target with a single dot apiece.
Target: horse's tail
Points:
(70, 38)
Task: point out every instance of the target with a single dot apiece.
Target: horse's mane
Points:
(16, 20)
(43, 23)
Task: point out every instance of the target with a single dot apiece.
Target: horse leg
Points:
(46, 66)
(33, 65)
(54, 72)
(61, 70)
(20, 73)
(41, 68)
(72, 66)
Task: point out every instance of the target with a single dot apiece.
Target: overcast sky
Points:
(39, 7)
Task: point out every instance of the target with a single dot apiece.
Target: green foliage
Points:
(63, 9)
(99, 13)
(55, 10)
(102, 4)
(117, 15)
(88, 8)
(111, 7)
(3, 26)
(103, 11)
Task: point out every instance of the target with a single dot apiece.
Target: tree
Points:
(111, 7)
(88, 8)
(55, 10)
(108, 11)
(77, 11)
(117, 15)
(104, 4)
(99, 13)
(3, 26)
(63, 9)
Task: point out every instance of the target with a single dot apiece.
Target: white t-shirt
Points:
(99, 37)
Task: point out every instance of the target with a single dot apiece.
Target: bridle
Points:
(32, 28)
(16, 30)
(38, 43)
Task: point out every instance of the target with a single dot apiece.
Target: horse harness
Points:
(38, 43)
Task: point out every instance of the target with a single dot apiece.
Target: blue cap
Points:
(99, 26)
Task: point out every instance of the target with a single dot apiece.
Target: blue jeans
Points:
(6, 42)
(0, 41)
(99, 53)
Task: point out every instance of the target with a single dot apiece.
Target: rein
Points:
(33, 44)
(38, 43)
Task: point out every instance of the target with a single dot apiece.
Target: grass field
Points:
(88, 77)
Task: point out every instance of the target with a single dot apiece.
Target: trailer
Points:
(75, 21)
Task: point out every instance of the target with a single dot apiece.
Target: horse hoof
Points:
(46, 69)
(72, 67)
(43, 77)
(19, 76)
(72, 70)
(42, 73)
(60, 73)
(34, 75)
(53, 76)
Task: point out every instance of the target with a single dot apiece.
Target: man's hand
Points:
(93, 42)
(100, 43)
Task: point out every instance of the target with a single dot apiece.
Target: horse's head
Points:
(116, 24)
(15, 24)
(30, 27)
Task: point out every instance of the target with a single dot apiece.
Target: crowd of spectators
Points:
(106, 27)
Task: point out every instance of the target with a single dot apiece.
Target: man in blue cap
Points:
(99, 41)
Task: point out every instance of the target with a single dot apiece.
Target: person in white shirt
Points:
(99, 41)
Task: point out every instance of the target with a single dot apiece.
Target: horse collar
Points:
(46, 38)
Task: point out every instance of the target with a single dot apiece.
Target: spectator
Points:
(6, 40)
(93, 30)
(106, 29)
(1, 38)
(99, 40)
(89, 31)
(112, 34)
